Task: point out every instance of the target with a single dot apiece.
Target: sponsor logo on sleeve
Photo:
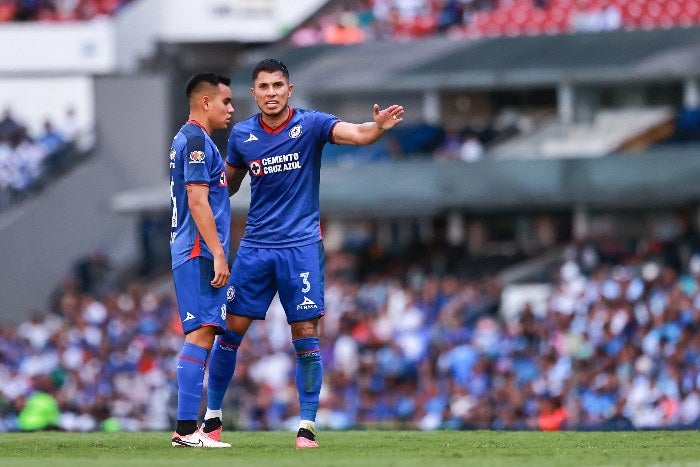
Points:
(197, 157)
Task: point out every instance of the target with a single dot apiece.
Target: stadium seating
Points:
(521, 17)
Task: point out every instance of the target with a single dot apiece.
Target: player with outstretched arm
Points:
(281, 250)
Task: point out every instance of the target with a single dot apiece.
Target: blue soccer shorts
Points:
(200, 304)
(296, 273)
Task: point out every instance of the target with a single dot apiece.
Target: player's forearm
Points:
(204, 219)
(360, 134)
(370, 132)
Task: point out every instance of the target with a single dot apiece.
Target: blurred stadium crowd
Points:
(405, 342)
(58, 10)
(409, 341)
(362, 20)
(26, 160)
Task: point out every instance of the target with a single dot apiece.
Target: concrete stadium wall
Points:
(42, 238)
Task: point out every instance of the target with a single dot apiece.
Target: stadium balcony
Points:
(611, 131)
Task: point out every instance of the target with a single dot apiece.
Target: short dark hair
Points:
(196, 81)
(270, 65)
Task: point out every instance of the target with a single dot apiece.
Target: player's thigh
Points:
(252, 284)
(299, 275)
(199, 303)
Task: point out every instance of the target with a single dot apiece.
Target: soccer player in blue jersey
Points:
(199, 244)
(281, 250)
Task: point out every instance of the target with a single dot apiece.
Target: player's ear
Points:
(291, 87)
(205, 102)
(252, 92)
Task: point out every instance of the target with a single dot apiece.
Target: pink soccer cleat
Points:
(306, 439)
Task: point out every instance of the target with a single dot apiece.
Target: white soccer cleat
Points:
(198, 439)
(214, 434)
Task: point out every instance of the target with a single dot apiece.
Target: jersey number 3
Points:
(305, 280)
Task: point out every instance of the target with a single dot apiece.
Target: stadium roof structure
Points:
(441, 63)
(424, 186)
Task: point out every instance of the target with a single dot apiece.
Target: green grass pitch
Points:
(359, 448)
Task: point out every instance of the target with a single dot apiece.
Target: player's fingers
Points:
(220, 279)
(376, 109)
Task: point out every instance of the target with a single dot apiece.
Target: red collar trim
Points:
(279, 128)
(195, 122)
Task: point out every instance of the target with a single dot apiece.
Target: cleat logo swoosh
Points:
(182, 442)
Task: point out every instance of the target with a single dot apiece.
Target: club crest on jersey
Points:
(230, 293)
(197, 157)
(255, 168)
(295, 132)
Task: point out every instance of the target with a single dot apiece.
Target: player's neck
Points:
(203, 126)
(274, 122)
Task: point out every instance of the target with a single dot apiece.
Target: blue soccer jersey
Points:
(195, 159)
(285, 169)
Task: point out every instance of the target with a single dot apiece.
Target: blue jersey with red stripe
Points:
(195, 159)
(285, 170)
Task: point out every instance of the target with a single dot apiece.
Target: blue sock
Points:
(221, 367)
(190, 379)
(309, 375)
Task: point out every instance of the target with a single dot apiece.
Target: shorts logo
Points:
(188, 317)
(197, 157)
(255, 168)
(230, 293)
(307, 304)
(223, 311)
(295, 132)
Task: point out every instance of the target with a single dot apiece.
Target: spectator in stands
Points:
(449, 13)
(344, 31)
(592, 18)
(9, 127)
(450, 147)
(471, 149)
(50, 139)
(70, 126)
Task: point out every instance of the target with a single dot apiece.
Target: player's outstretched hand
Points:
(388, 118)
